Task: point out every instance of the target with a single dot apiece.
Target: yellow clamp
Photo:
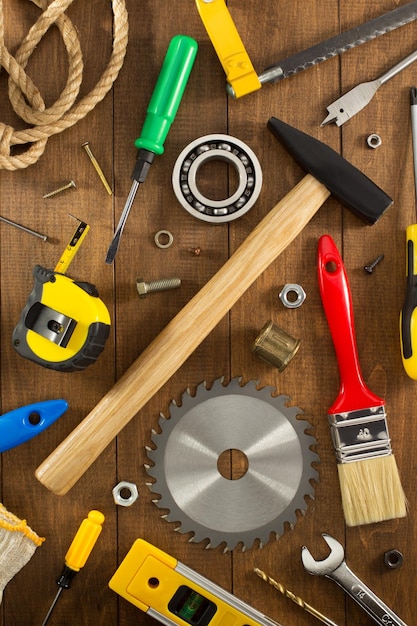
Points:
(240, 74)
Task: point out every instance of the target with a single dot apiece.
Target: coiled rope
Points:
(25, 97)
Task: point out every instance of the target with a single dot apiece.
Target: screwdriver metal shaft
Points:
(114, 246)
(51, 608)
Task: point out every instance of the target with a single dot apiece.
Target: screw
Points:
(86, 146)
(195, 251)
(370, 268)
(63, 188)
(156, 285)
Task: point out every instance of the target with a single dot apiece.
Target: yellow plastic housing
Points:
(149, 579)
(84, 540)
(408, 315)
(71, 300)
(229, 47)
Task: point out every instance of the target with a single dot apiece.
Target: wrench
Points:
(335, 568)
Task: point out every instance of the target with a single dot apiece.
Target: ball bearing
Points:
(222, 148)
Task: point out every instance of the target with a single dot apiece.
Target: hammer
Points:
(327, 173)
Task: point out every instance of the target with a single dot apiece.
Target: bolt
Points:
(63, 188)
(370, 268)
(86, 146)
(156, 285)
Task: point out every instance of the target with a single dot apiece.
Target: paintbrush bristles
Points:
(371, 491)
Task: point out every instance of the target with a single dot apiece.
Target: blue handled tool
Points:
(22, 424)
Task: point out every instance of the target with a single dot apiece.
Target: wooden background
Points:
(270, 31)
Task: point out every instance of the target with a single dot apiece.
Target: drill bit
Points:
(296, 599)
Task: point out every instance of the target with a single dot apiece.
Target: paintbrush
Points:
(368, 474)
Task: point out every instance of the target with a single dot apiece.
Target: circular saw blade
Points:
(265, 431)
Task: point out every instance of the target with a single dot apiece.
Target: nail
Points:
(25, 228)
(86, 146)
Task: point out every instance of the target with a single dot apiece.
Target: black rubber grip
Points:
(348, 184)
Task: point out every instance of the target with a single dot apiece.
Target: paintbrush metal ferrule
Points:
(359, 435)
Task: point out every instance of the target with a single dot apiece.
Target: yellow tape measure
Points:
(172, 593)
(72, 247)
(64, 325)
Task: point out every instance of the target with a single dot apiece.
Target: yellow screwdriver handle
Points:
(84, 541)
(218, 22)
(408, 316)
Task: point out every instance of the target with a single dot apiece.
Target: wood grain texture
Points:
(270, 31)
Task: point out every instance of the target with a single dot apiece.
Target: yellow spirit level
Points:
(64, 324)
(172, 593)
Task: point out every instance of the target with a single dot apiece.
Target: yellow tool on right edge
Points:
(408, 315)
(78, 553)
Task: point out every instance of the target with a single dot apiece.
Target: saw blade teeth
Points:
(197, 430)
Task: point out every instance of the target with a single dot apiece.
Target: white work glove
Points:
(18, 542)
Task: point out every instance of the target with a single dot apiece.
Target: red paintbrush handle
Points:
(337, 303)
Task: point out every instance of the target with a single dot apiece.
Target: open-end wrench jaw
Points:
(329, 564)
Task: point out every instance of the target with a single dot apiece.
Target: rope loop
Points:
(26, 98)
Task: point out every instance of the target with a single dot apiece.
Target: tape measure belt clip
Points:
(64, 324)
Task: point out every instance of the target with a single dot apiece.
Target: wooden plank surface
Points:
(270, 31)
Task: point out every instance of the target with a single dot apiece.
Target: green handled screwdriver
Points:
(408, 315)
(78, 553)
(161, 111)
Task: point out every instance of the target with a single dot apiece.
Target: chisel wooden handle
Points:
(162, 358)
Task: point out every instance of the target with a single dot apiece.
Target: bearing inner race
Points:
(221, 148)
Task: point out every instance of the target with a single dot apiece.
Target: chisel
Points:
(161, 111)
(408, 315)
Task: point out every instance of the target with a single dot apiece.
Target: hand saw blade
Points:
(340, 43)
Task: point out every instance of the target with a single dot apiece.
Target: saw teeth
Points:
(263, 428)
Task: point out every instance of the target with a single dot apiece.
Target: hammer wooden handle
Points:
(162, 358)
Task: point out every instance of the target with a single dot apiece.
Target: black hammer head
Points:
(348, 184)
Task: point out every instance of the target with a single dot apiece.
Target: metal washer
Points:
(222, 148)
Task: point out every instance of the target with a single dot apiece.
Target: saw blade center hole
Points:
(232, 464)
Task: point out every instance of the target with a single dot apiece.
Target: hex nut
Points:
(393, 559)
(125, 493)
(374, 141)
(292, 288)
